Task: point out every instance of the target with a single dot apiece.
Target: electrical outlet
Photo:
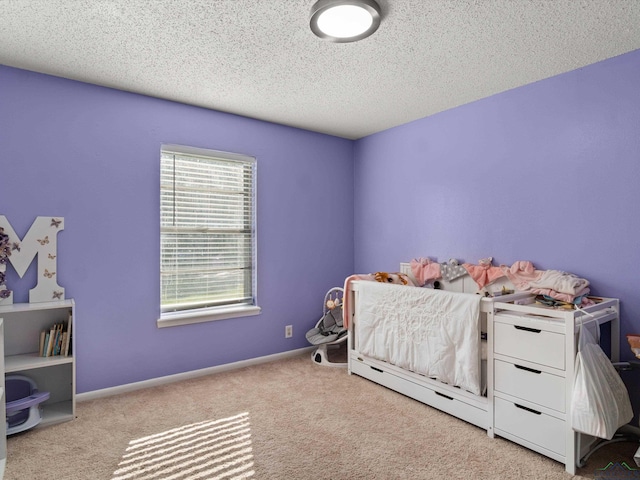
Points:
(288, 331)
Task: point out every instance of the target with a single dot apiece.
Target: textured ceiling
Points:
(258, 58)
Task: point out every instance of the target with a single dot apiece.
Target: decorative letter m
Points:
(41, 239)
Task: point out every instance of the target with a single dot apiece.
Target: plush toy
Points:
(397, 278)
(333, 303)
(484, 273)
(634, 343)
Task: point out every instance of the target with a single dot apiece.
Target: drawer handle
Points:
(445, 396)
(527, 369)
(531, 410)
(376, 369)
(528, 329)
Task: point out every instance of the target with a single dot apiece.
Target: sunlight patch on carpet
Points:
(215, 450)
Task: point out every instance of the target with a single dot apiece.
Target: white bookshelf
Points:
(22, 324)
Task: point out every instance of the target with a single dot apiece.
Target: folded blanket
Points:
(561, 282)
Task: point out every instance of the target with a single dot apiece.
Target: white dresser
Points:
(532, 351)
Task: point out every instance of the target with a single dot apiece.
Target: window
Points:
(207, 238)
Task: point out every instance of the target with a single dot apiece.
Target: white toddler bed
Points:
(396, 346)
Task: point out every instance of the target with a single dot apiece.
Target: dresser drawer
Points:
(529, 425)
(529, 343)
(533, 385)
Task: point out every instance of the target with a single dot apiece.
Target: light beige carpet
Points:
(289, 419)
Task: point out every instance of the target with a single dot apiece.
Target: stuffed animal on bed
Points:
(634, 343)
(397, 278)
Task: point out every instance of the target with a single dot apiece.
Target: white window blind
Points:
(207, 229)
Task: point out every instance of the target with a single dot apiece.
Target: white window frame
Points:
(193, 314)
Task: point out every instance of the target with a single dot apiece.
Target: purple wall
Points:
(91, 155)
(548, 172)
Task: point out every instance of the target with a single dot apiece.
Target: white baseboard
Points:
(154, 382)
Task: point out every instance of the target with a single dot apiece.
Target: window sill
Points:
(175, 319)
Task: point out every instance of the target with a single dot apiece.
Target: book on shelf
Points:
(52, 340)
(44, 340)
(67, 340)
(56, 340)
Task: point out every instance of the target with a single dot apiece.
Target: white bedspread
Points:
(430, 332)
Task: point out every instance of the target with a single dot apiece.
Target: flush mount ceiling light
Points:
(344, 20)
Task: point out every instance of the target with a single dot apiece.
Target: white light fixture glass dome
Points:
(344, 20)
